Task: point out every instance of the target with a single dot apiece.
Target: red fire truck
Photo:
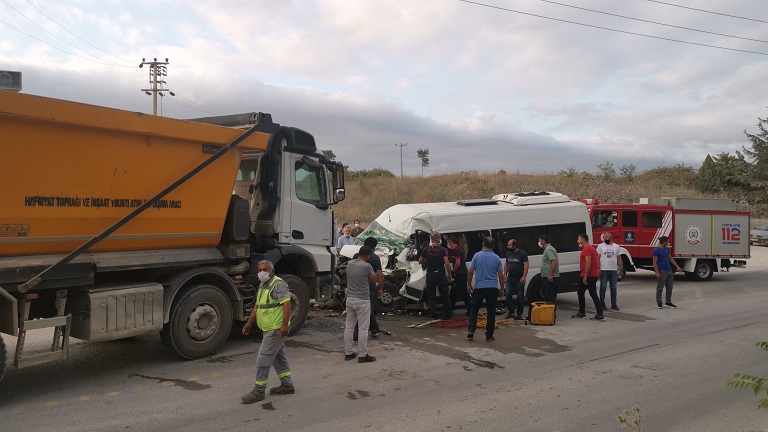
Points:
(706, 235)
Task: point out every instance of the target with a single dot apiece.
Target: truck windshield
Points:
(311, 186)
(385, 237)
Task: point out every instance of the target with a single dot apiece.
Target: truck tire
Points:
(388, 300)
(299, 302)
(703, 271)
(2, 357)
(200, 322)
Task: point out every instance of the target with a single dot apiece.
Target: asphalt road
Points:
(575, 376)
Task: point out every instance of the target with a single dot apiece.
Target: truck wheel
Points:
(299, 302)
(201, 319)
(702, 271)
(387, 301)
(2, 357)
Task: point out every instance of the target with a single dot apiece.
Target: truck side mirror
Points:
(339, 195)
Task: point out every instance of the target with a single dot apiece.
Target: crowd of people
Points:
(483, 280)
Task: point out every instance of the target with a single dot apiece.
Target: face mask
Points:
(357, 225)
(264, 276)
(607, 241)
(541, 245)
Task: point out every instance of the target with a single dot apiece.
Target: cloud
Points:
(481, 88)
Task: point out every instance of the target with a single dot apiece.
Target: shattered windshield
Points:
(385, 237)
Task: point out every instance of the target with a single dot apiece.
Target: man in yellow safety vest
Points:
(271, 312)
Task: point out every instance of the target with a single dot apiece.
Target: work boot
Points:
(253, 396)
(366, 359)
(282, 389)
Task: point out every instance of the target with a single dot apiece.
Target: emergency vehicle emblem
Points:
(693, 234)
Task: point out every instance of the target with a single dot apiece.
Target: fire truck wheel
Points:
(2, 357)
(702, 271)
(200, 322)
(299, 301)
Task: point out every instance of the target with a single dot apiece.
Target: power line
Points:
(191, 106)
(73, 46)
(710, 12)
(200, 107)
(652, 22)
(65, 52)
(611, 29)
(84, 40)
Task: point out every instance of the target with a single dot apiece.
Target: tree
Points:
(606, 170)
(329, 154)
(423, 154)
(757, 179)
(749, 382)
(724, 172)
(568, 172)
(628, 171)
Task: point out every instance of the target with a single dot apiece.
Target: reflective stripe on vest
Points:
(270, 315)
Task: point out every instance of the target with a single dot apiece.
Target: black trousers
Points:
(459, 291)
(591, 286)
(436, 280)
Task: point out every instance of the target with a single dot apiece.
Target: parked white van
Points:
(405, 229)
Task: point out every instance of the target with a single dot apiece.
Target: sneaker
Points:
(614, 307)
(659, 305)
(578, 315)
(598, 318)
(519, 318)
(490, 338)
(669, 304)
(366, 359)
(604, 306)
(375, 334)
(349, 356)
(282, 389)
(253, 396)
(470, 335)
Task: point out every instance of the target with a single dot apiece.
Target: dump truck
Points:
(706, 234)
(115, 223)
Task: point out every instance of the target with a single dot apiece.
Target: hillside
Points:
(368, 196)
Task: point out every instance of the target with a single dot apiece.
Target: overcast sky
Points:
(481, 87)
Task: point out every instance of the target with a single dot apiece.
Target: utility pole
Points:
(401, 145)
(157, 74)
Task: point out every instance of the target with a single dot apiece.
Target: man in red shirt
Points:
(589, 264)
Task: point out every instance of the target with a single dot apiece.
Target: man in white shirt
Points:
(610, 266)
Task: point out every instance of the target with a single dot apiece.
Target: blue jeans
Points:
(549, 289)
(490, 295)
(606, 276)
(514, 287)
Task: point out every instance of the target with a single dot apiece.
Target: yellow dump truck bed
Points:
(70, 170)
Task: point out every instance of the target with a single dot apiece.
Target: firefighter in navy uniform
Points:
(271, 312)
(438, 267)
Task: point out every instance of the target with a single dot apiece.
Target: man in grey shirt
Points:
(359, 275)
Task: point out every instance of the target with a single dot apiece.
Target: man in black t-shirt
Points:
(516, 268)
(436, 258)
(459, 269)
